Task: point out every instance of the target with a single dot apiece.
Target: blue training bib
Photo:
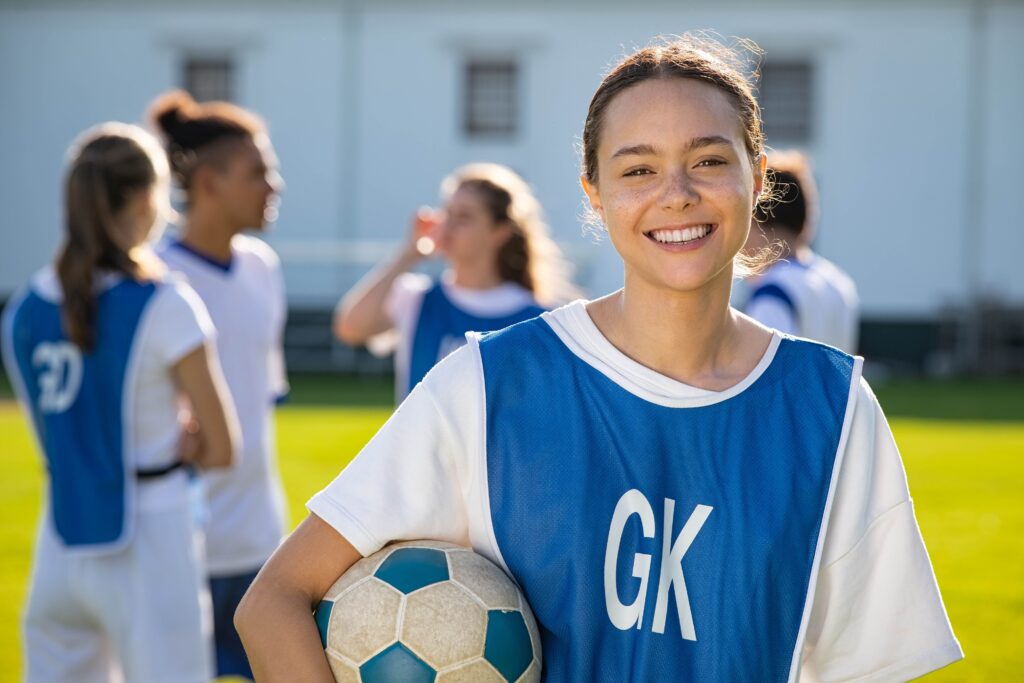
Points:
(658, 543)
(442, 326)
(77, 406)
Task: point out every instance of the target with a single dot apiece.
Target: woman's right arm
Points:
(275, 618)
(197, 374)
(406, 483)
(362, 313)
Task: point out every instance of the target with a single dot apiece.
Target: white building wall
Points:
(997, 217)
(63, 70)
(363, 103)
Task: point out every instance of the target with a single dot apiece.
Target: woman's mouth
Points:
(691, 235)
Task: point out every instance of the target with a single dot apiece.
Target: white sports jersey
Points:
(403, 308)
(813, 299)
(245, 299)
(875, 612)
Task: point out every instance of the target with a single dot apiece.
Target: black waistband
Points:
(154, 472)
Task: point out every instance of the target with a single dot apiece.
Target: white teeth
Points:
(681, 236)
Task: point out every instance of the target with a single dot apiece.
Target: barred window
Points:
(787, 98)
(209, 79)
(491, 107)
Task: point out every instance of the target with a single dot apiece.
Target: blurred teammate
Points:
(98, 347)
(222, 158)
(681, 493)
(502, 268)
(803, 294)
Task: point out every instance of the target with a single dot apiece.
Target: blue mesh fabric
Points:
(565, 443)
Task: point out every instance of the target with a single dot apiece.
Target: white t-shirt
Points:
(403, 308)
(174, 324)
(246, 302)
(877, 613)
(818, 301)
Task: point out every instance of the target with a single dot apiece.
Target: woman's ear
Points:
(760, 169)
(593, 195)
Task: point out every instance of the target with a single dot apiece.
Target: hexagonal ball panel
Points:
(484, 580)
(444, 625)
(343, 671)
(508, 648)
(410, 569)
(322, 617)
(475, 672)
(532, 674)
(396, 663)
(531, 626)
(355, 573)
(364, 620)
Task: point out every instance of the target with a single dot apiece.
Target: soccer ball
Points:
(428, 611)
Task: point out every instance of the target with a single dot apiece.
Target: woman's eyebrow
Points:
(648, 149)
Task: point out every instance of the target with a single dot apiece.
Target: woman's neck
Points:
(692, 337)
(479, 275)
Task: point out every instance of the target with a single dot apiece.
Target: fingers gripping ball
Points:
(428, 611)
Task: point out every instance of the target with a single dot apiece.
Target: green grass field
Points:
(963, 445)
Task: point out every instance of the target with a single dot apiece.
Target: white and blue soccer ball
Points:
(428, 611)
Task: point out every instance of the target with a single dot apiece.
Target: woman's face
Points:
(468, 232)
(248, 184)
(675, 186)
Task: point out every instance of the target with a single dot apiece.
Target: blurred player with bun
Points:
(502, 268)
(222, 159)
(100, 348)
(803, 294)
(681, 493)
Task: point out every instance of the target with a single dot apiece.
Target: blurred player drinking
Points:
(222, 159)
(502, 268)
(100, 348)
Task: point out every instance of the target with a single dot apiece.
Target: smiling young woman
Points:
(675, 487)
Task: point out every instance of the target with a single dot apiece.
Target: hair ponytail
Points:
(110, 165)
(193, 133)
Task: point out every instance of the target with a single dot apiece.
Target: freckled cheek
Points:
(730, 193)
(625, 204)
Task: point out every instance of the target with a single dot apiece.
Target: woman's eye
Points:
(710, 162)
(637, 172)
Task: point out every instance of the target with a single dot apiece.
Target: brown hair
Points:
(109, 166)
(195, 134)
(529, 257)
(690, 56)
(794, 202)
(699, 57)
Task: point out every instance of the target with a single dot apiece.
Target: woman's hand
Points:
(422, 238)
(190, 441)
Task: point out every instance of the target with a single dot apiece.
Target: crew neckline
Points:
(577, 330)
(222, 266)
(501, 300)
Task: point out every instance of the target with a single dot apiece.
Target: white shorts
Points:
(141, 614)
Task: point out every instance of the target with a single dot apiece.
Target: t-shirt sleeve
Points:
(409, 482)
(877, 614)
(180, 322)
